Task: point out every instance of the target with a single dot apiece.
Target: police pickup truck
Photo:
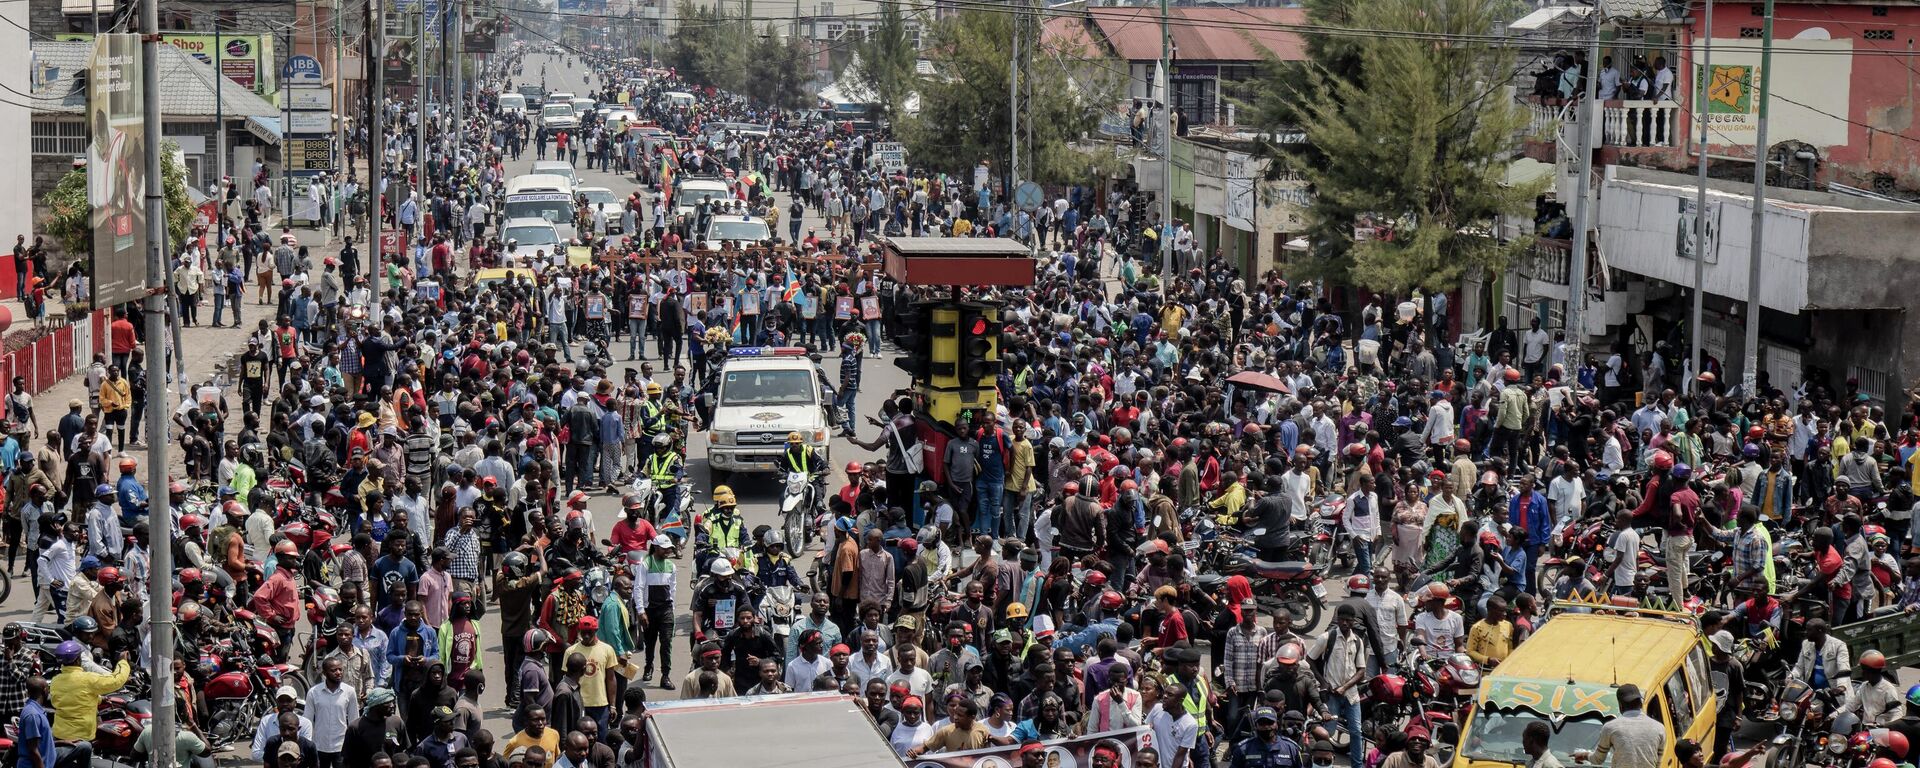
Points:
(764, 394)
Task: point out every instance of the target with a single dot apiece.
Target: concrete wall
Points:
(1867, 259)
(1639, 227)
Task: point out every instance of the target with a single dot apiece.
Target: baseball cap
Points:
(1267, 714)
(290, 748)
(287, 692)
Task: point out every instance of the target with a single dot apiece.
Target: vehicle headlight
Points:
(722, 437)
(820, 436)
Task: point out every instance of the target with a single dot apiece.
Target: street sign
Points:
(310, 155)
(309, 123)
(891, 156)
(309, 97)
(303, 70)
(1028, 195)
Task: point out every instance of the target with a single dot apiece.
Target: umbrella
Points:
(1260, 380)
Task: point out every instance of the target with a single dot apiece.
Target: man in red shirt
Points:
(634, 533)
(1173, 623)
(278, 600)
(121, 334)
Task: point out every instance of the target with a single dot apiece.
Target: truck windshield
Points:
(552, 210)
(772, 387)
(1495, 735)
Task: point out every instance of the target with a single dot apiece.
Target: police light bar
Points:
(766, 351)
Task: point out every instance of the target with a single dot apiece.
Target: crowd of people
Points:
(401, 449)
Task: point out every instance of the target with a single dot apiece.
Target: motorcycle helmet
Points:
(515, 563)
(775, 538)
(85, 625)
(1662, 461)
(1751, 451)
(722, 567)
(67, 652)
(795, 438)
(1111, 600)
(1071, 488)
(1016, 610)
(1290, 654)
(109, 575)
(1077, 456)
(723, 495)
(1894, 742)
(1682, 471)
(189, 610)
(854, 469)
(190, 575)
(536, 640)
(1873, 659)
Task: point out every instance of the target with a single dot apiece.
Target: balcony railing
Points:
(1548, 261)
(1622, 123)
(1641, 124)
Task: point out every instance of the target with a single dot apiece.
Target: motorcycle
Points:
(797, 505)
(1428, 692)
(238, 696)
(1805, 736)
(780, 608)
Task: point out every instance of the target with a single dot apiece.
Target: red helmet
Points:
(1290, 654)
(854, 469)
(1129, 486)
(1356, 449)
(298, 533)
(189, 575)
(1077, 455)
(1872, 659)
(191, 521)
(109, 575)
(1111, 600)
(1662, 461)
(1071, 487)
(1512, 374)
(1754, 434)
(1891, 741)
(1097, 578)
(319, 540)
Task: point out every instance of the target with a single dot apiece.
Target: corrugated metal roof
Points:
(186, 84)
(1203, 34)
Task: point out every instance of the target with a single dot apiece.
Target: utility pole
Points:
(1577, 263)
(1013, 110)
(1166, 152)
(160, 625)
(219, 125)
(459, 44)
(1750, 362)
(1700, 108)
(373, 58)
(420, 107)
(286, 127)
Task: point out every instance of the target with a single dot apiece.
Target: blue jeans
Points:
(988, 497)
(823, 326)
(1019, 516)
(845, 401)
(873, 337)
(562, 337)
(1349, 713)
(219, 303)
(636, 338)
(1362, 555)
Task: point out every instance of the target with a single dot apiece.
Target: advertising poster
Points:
(245, 59)
(116, 169)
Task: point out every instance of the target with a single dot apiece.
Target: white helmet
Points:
(722, 567)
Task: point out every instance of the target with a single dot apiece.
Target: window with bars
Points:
(1876, 34)
(1873, 382)
(1750, 33)
(835, 30)
(65, 138)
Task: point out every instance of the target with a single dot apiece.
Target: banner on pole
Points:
(117, 169)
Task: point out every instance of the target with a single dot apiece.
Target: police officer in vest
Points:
(1267, 747)
(799, 457)
(723, 530)
(664, 467)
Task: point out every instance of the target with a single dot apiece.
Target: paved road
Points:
(759, 495)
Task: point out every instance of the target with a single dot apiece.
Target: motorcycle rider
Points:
(723, 531)
(717, 603)
(775, 566)
(1876, 700)
(75, 694)
(806, 460)
(665, 466)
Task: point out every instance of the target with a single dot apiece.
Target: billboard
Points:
(483, 24)
(116, 169)
(244, 59)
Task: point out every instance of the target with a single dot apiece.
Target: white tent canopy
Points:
(847, 89)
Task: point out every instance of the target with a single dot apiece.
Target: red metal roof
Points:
(1203, 34)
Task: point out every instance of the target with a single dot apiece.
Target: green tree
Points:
(709, 47)
(1412, 133)
(778, 70)
(963, 115)
(887, 59)
(70, 219)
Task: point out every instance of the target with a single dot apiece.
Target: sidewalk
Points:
(205, 347)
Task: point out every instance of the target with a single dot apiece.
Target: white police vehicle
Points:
(764, 394)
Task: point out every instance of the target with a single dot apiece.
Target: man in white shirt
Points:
(331, 705)
(1438, 628)
(1175, 732)
(1623, 553)
(1363, 522)
(1533, 350)
(1662, 80)
(1609, 85)
(1439, 428)
(1566, 494)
